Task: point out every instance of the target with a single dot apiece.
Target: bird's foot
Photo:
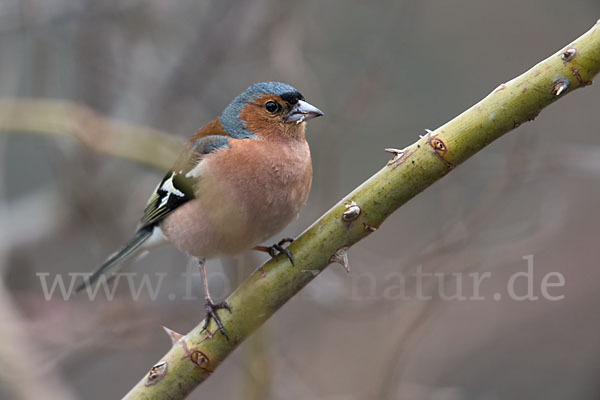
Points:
(278, 249)
(211, 313)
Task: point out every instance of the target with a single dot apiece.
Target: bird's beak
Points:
(302, 112)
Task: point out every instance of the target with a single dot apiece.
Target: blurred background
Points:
(382, 73)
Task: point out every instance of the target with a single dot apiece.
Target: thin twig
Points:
(64, 118)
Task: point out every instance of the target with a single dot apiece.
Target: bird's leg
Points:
(277, 249)
(210, 307)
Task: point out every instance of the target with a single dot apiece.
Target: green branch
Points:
(194, 356)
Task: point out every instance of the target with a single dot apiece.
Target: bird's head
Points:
(269, 110)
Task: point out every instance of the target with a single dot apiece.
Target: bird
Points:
(239, 180)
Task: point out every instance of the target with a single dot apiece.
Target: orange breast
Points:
(245, 194)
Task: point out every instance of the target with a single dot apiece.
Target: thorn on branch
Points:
(568, 54)
(352, 212)
(175, 336)
(157, 372)
(559, 86)
(341, 257)
(399, 155)
(427, 131)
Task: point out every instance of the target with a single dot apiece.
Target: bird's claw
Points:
(278, 248)
(211, 313)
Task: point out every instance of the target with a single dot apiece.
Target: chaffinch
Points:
(239, 180)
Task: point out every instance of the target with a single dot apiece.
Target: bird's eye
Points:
(272, 107)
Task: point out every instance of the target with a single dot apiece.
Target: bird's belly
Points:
(224, 221)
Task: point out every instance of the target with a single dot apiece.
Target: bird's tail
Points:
(116, 260)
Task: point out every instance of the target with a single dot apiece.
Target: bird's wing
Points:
(177, 187)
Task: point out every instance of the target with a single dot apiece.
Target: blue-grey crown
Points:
(230, 118)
